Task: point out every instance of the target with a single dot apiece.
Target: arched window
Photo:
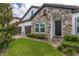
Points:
(39, 27)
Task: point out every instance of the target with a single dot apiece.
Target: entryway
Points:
(57, 32)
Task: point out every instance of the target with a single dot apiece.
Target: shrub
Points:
(70, 51)
(61, 47)
(39, 36)
(72, 38)
(5, 43)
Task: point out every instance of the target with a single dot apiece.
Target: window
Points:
(42, 29)
(39, 27)
(77, 25)
(32, 13)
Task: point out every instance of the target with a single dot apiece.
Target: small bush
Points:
(39, 36)
(61, 47)
(70, 51)
(72, 38)
(4, 43)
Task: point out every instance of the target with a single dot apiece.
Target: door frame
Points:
(52, 32)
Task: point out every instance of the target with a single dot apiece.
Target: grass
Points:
(26, 47)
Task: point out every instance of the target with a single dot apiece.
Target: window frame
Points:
(42, 27)
(76, 25)
(40, 23)
(37, 27)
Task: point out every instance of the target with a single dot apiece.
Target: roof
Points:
(17, 18)
(60, 6)
(25, 20)
(57, 6)
(29, 10)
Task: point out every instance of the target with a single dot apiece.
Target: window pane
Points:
(32, 12)
(37, 30)
(78, 20)
(42, 26)
(42, 29)
(77, 25)
(37, 25)
(77, 29)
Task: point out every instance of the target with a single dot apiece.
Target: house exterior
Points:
(56, 20)
(25, 26)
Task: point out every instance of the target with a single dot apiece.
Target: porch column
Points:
(23, 31)
(51, 32)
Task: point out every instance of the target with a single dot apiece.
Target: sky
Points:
(20, 8)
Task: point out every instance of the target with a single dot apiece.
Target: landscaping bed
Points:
(70, 45)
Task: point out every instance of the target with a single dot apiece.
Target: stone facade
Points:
(41, 18)
(64, 14)
(66, 17)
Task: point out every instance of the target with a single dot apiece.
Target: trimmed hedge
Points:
(39, 36)
(72, 38)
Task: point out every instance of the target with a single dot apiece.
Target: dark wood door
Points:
(27, 29)
(58, 28)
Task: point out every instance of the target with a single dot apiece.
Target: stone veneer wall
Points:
(66, 17)
(43, 18)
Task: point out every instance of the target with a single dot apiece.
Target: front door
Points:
(58, 28)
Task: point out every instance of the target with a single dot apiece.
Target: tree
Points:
(6, 29)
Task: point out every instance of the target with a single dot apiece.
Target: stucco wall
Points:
(22, 25)
(28, 23)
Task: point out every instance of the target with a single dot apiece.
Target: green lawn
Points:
(26, 47)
